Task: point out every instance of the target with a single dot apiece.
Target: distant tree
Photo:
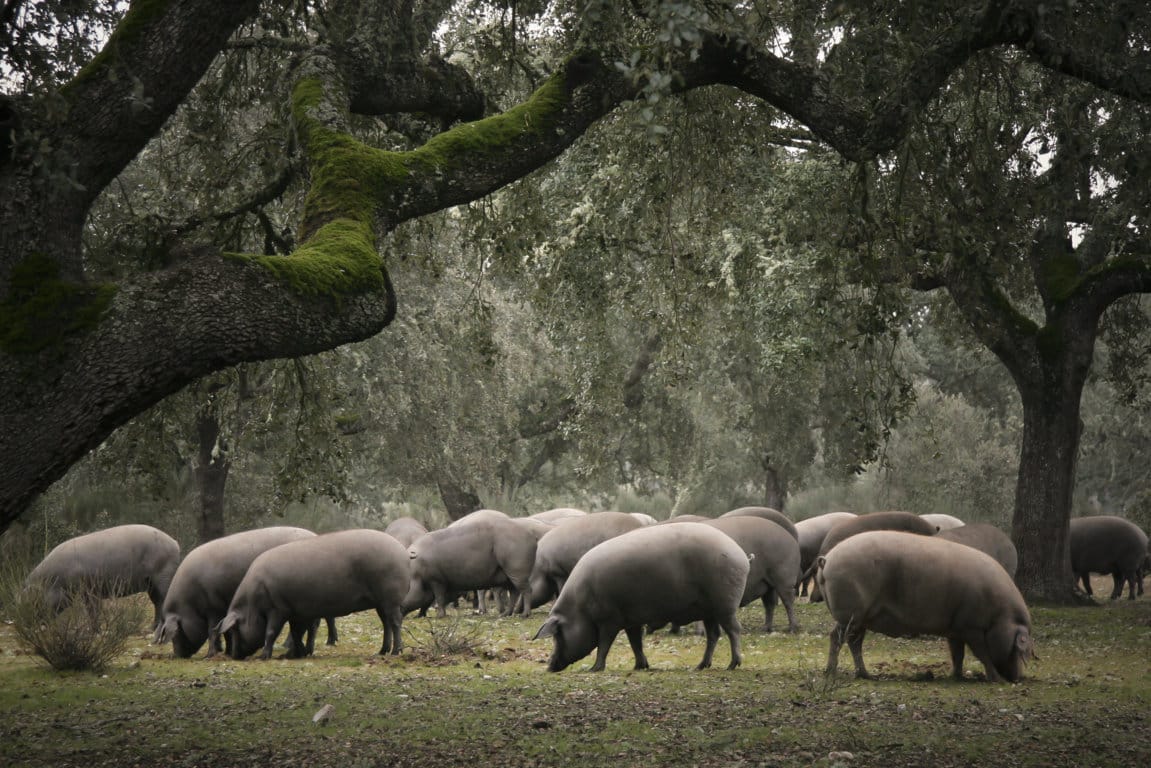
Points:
(1023, 196)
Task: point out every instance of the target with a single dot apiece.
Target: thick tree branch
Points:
(223, 311)
(119, 101)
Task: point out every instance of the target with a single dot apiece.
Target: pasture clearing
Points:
(1086, 702)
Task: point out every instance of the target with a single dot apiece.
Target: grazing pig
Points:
(905, 585)
(653, 575)
(774, 563)
(300, 582)
(766, 513)
(644, 518)
(685, 519)
(1108, 544)
(206, 582)
(874, 521)
(558, 515)
(114, 562)
(480, 515)
(987, 539)
(406, 530)
(811, 534)
(942, 522)
(561, 549)
(483, 554)
(534, 526)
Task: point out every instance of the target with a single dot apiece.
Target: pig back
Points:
(903, 584)
(126, 557)
(659, 573)
(333, 574)
(211, 572)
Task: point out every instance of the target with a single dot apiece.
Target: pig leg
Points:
(295, 646)
(711, 631)
(523, 588)
(214, 637)
(635, 638)
(313, 628)
(392, 618)
(833, 651)
(1086, 577)
(957, 648)
(441, 598)
(333, 636)
(157, 598)
(732, 629)
(271, 632)
(606, 638)
(855, 645)
(787, 597)
(982, 651)
(1117, 578)
(768, 601)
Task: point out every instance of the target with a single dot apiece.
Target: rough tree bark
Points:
(211, 472)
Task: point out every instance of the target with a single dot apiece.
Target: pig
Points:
(685, 519)
(1108, 544)
(644, 518)
(874, 521)
(483, 554)
(535, 526)
(904, 585)
(653, 575)
(774, 563)
(406, 530)
(766, 513)
(943, 522)
(561, 549)
(205, 583)
(480, 515)
(558, 514)
(298, 583)
(114, 562)
(811, 534)
(987, 539)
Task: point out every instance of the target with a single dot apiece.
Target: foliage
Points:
(88, 635)
(953, 458)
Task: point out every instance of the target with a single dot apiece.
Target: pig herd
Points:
(895, 573)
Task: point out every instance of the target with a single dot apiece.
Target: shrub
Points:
(450, 636)
(87, 635)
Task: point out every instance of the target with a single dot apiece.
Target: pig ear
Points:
(227, 624)
(548, 629)
(167, 630)
(1024, 646)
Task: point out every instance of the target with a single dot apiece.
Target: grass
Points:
(1084, 702)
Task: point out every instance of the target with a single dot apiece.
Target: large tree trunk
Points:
(211, 474)
(459, 499)
(775, 486)
(1043, 495)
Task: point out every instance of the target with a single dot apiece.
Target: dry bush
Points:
(450, 636)
(87, 635)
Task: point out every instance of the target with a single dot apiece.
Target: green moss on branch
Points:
(141, 14)
(339, 260)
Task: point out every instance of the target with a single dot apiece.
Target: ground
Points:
(1086, 701)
